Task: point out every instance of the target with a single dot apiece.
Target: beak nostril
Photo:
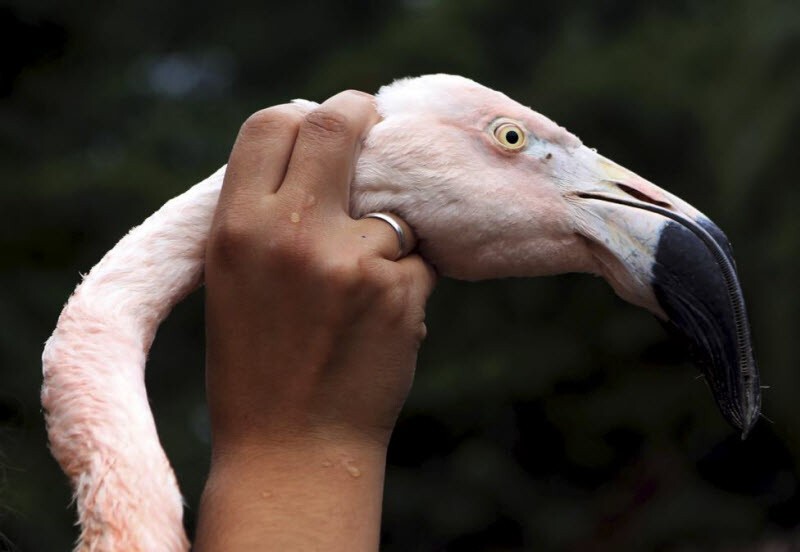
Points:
(641, 196)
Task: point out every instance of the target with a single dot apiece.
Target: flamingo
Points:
(492, 188)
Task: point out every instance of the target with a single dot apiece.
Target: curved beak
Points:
(661, 253)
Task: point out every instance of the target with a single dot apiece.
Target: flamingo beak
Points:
(659, 252)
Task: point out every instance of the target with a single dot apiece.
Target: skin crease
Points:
(312, 338)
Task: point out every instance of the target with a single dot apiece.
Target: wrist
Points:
(294, 494)
(291, 454)
(280, 427)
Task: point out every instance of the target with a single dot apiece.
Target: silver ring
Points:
(388, 219)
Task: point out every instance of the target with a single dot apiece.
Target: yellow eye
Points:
(510, 136)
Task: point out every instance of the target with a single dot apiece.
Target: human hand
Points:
(313, 329)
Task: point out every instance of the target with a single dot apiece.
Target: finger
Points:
(259, 158)
(328, 144)
(421, 273)
(387, 234)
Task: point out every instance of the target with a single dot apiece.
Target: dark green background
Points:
(547, 414)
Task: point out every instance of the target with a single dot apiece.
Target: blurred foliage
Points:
(547, 414)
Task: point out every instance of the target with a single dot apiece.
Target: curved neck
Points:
(99, 421)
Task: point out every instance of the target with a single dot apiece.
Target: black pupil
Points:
(512, 137)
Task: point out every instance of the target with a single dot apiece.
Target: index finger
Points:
(260, 155)
(327, 146)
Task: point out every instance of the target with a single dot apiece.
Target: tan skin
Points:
(313, 328)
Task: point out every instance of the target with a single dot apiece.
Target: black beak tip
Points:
(752, 411)
(696, 285)
(747, 428)
(742, 414)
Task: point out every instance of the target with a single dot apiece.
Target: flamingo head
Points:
(494, 189)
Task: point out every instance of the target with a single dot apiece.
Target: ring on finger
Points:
(402, 239)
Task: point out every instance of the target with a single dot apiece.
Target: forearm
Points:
(318, 495)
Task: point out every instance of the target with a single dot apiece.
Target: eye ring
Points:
(509, 135)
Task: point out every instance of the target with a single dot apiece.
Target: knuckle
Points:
(283, 252)
(343, 275)
(326, 122)
(415, 325)
(391, 288)
(229, 240)
(358, 95)
(377, 277)
(422, 332)
(394, 283)
(271, 120)
(397, 298)
(287, 247)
